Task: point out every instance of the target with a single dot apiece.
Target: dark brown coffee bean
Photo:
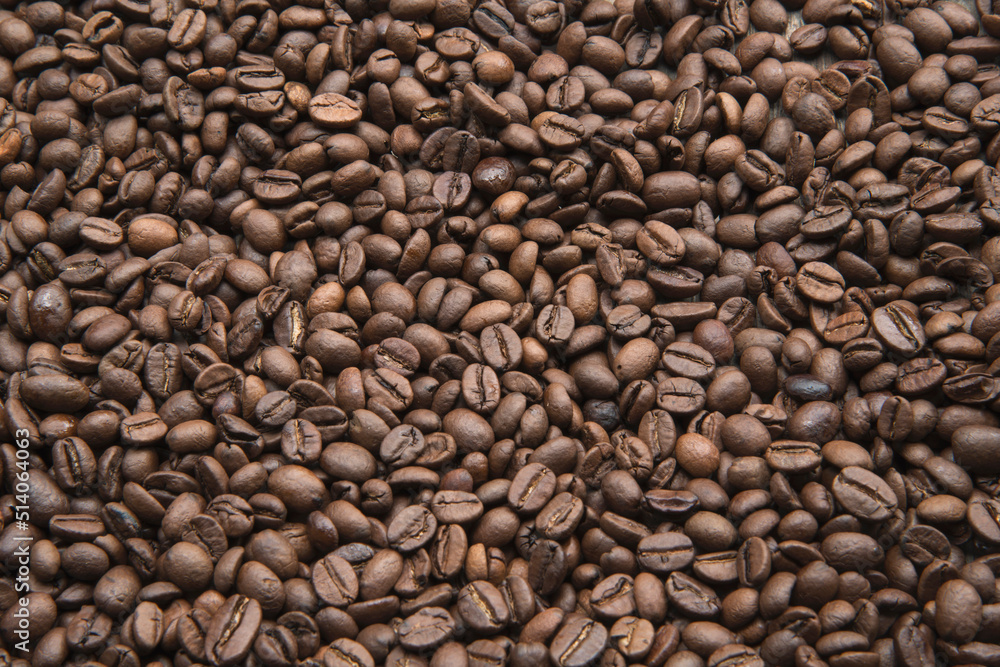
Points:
(334, 111)
(974, 446)
(791, 456)
(231, 632)
(472, 336)
(426, 629)
(899, 329)
(864, 494)
(335, 581)
(666, 552)
(532, 487)
(578, 642)
(482, 606)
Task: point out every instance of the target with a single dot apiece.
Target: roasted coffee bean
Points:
(578, 642)
(532, 487)
(482, 607)
(666, 552)
(232, 630)
(974, 447)
(335, 581)
(864, 494)
(434, 332)
(899, 329)
(426, 629)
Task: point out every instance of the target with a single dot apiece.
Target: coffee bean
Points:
(666, 552)
(578, 642)
(790, 456)
(959, 595)
(335, 581)
(974, 446)
(459, 332)
(345, 651)
(532, 487)
(899, 329)
(334, 111)
(482, 607)
(864, 494)
(232, 630)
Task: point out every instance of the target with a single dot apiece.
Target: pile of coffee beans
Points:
(487, 333)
